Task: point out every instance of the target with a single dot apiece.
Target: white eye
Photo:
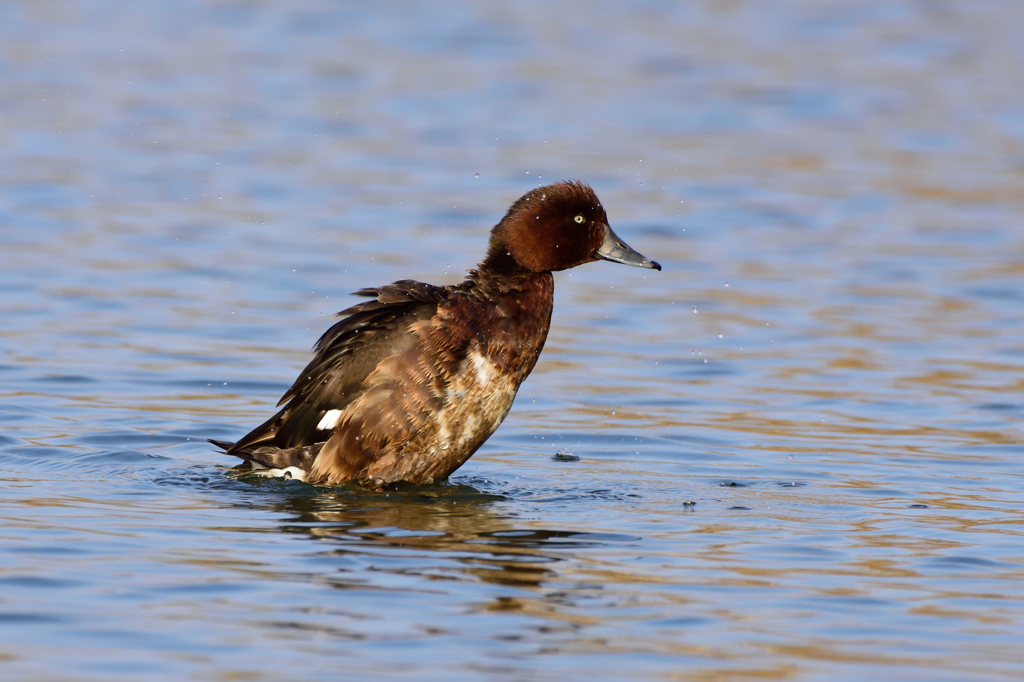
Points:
(578, 219)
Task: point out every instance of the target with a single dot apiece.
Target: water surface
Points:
(794, 453)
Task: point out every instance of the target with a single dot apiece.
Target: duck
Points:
(411, 382)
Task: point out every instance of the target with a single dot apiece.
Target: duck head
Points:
(559, 227)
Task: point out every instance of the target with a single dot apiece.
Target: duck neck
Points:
(519, 302)
(500, 273)
(499, 261)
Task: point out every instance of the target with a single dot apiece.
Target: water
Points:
(794, 453)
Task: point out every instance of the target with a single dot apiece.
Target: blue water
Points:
(795, 453)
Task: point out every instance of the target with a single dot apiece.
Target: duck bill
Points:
(618, 251)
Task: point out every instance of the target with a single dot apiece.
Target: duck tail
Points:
(222, 444)
(270, 457)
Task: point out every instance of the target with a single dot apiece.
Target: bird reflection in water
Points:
(444, 531)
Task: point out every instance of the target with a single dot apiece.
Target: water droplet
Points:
(726, 284)
(694, 310)
(476, 175)
(719, 336)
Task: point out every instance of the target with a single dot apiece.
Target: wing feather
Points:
(345, 355)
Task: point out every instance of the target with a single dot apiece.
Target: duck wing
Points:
(346, 354)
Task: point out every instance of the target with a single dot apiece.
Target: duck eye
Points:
(578, 219)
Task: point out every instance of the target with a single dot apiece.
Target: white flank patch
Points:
(329, 421)
(484, 368)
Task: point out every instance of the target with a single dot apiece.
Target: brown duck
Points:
(410, 383)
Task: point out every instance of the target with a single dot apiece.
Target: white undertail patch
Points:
(292, 473)
(329, 420)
